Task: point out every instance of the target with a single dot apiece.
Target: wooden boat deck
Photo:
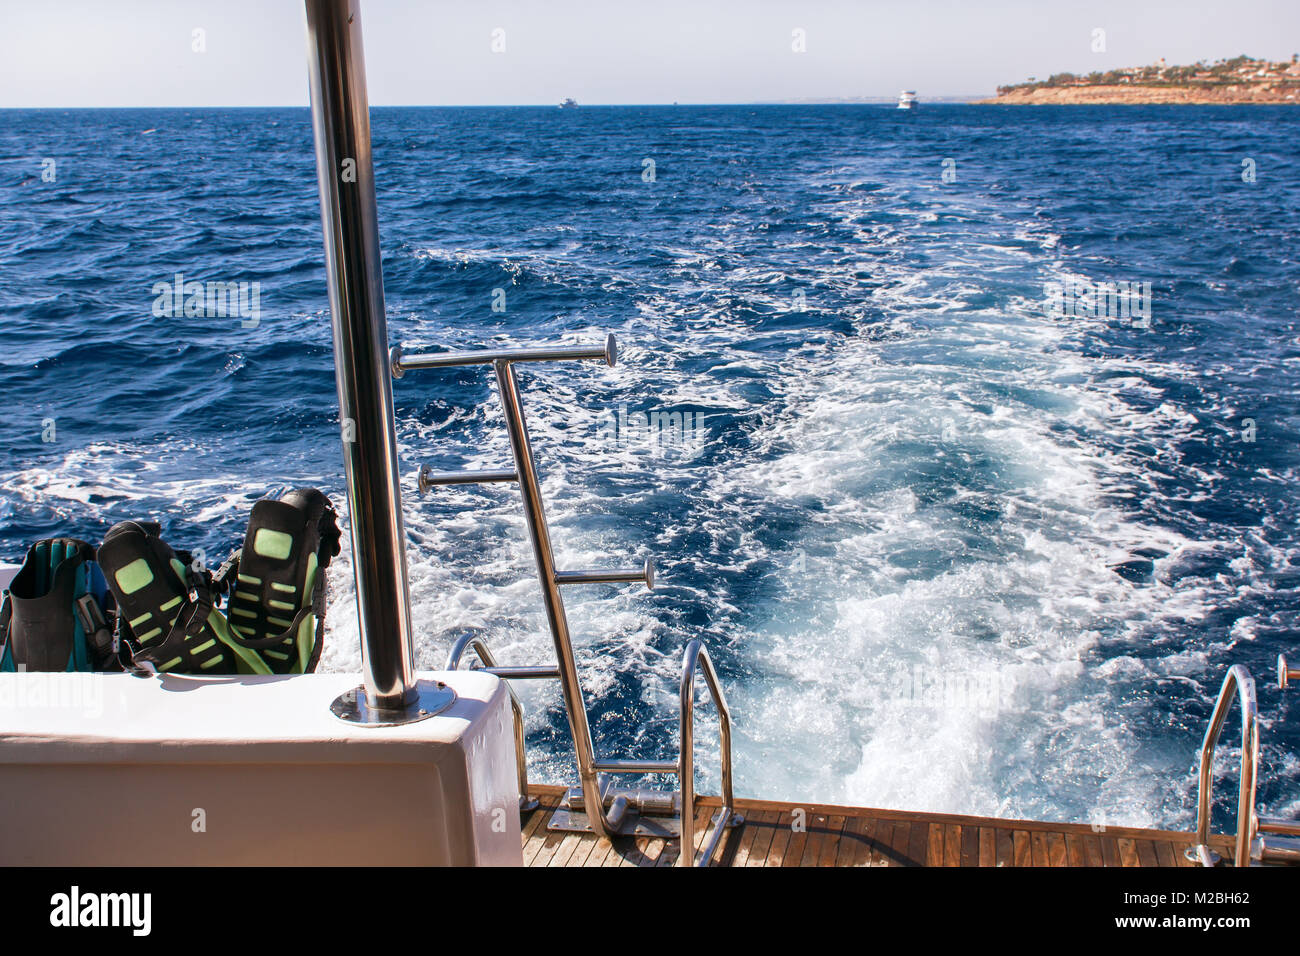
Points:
(855, 836)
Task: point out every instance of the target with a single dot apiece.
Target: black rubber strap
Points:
(189, 622)
(6, 613)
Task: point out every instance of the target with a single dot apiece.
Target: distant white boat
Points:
(569, 104)
(907, 100)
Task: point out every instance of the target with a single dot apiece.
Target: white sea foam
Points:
(901, 664)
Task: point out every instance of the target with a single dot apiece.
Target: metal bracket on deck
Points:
(649, 813)
(355, 706)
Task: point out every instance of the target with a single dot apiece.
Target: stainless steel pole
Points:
(345, 173)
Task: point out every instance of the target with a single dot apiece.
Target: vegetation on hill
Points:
(1238, 72)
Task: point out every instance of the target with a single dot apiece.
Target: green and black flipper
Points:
(277, 604)
(55, 612)
(165, 607)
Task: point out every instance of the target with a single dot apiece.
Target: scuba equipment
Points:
(275, 617)
(56, 611)
(278, 602)
(166, 608)
(60, 610)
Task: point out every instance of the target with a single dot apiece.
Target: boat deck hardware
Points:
(1259, 840)
(1240, 685)
(598, 808)
(340, 113)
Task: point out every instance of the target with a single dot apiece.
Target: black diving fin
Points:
(277, 580)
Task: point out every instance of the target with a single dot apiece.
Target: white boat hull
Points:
(115, 770)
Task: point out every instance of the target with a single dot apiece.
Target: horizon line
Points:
(948, 100)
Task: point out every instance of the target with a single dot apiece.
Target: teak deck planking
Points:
(857, 836)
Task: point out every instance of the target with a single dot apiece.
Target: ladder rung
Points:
(645, 573)
(636, 766)
(402, 363)
(522, 673)
(1273, 825)
(430, 479)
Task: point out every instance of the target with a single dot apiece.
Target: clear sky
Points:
(141, 52)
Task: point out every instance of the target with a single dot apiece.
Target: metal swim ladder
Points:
(1259, 840)
(594, 805)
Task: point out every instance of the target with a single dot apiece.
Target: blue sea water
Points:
(950, 551)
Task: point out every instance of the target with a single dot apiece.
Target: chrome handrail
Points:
(1240, 684)
(521, 758)
(695, 653)
(605, 823)
(607, 810)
